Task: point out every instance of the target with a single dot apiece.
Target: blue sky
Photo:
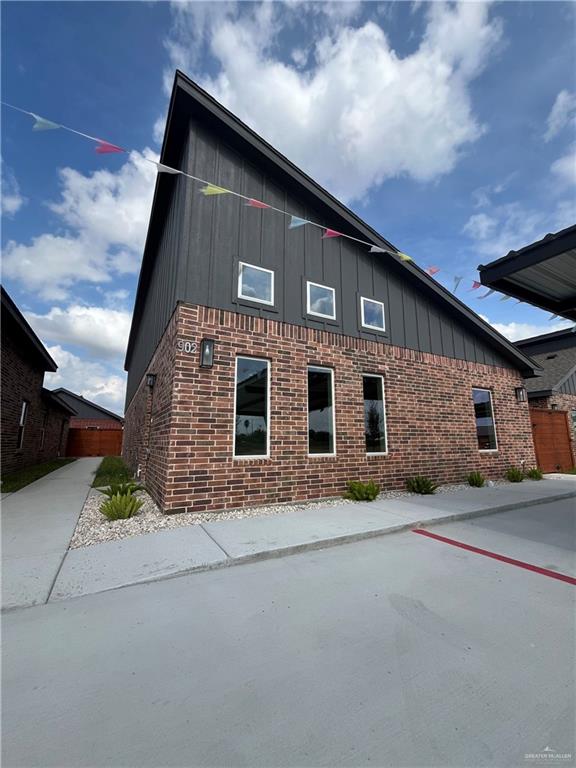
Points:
(449, 128)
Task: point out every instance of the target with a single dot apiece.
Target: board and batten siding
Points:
(204, 238)
(569, 386)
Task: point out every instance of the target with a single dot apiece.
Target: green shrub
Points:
(359, 491)
(514, 475)
(420, 484)
(476, 479)
(120, 507)
(534, 474)
(121, 489)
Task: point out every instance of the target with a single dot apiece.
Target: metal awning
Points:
(543, 273)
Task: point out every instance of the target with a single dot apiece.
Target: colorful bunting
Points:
(212, 189)
(404, 256)
(485, 295)
(41, 124)
(296, 221)
(330, 233)
(475, 285)
(166, 169)
(257, 204)
(552, 317)
(105, 148)
(457, 280)
(375, 249)
(505, 298)
(432, 271)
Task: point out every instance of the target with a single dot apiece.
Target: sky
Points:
(449, 128)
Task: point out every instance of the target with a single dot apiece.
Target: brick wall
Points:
(22, 381)
(430, 416)
(563, 403)
(76, 422)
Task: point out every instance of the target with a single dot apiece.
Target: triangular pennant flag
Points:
(505, 298)
(105, 148)
(212, 189)
(330, 233)
(375, 249)
(485, 295)
(552, 317)
(457, 281)
(404, 256)
(41, 124)
(519, 301)
(432, 271)
(166, 169)
(296, 221)
(257, 204)
(475, 285)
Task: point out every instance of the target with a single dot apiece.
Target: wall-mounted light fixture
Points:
(520, 394)
(150, 380)
(207, 353)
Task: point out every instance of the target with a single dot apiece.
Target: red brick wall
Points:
(430, 416)
(22, 381)
(78, 423)
(563, 403)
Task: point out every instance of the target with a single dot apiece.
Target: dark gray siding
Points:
(569, 386)
(204, 238)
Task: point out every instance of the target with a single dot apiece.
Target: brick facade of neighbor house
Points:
(22, 378)
(77, 422)
(430, 416)
(558, 401)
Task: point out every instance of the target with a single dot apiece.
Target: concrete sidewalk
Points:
(170, 553)
(37, 524)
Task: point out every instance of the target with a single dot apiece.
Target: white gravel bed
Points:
(94, 528)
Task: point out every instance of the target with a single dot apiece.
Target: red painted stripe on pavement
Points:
(494, 556)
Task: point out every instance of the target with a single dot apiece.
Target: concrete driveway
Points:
(396, 651)
(37, 524)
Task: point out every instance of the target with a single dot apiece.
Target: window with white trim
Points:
(251, 407)
(22, 424)
(374, 414)
(320, 300)
(372, 314)
(485, 424)
(255, 283)
(321, 431)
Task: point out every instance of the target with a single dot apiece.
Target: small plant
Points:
(534, 474)
(514, 475)
(121, 489)
(359, 491)
(476, 479)
(120, 507)
(421, 485)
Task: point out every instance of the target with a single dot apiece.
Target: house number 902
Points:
(186, 346)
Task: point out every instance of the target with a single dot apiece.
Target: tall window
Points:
(22, 424)
(320, 300)
(255, 283)
(251, 414)
(374, 414)
(372, 314)
(485, 426)
(320, 411)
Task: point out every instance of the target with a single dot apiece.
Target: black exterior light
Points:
(520, 394)
(150, 380)
(207, 353)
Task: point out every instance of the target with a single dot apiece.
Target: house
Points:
(94, 431)
(34, 421)
(267, 363)
(552, 398)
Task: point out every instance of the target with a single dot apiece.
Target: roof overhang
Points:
(25, 332)
(543, 273)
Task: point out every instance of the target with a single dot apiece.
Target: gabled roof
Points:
(542, 273)
(11, 313)
(53, 401)
(82, 408)
(556, 354)
(188, 100)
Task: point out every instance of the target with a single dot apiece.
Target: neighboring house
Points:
(94, 431)
(34, 421)
(266, 364)
(555, 393)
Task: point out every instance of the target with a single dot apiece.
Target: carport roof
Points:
(543, 273)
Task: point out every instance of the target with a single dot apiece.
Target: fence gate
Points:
(552, 440)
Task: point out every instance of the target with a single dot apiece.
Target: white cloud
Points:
(480, 226)
(10, 196)
(95, 381)
(360, 113)
(105, 216)
(516, 331)
(564, 169)
(101, 331)
(563, 112)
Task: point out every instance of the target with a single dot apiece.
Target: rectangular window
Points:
(255, 283)
(22, 424)
(320, 411)
(320, 300)
(374, 414)
(372, 314)
(485, 426)
(251, 408)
